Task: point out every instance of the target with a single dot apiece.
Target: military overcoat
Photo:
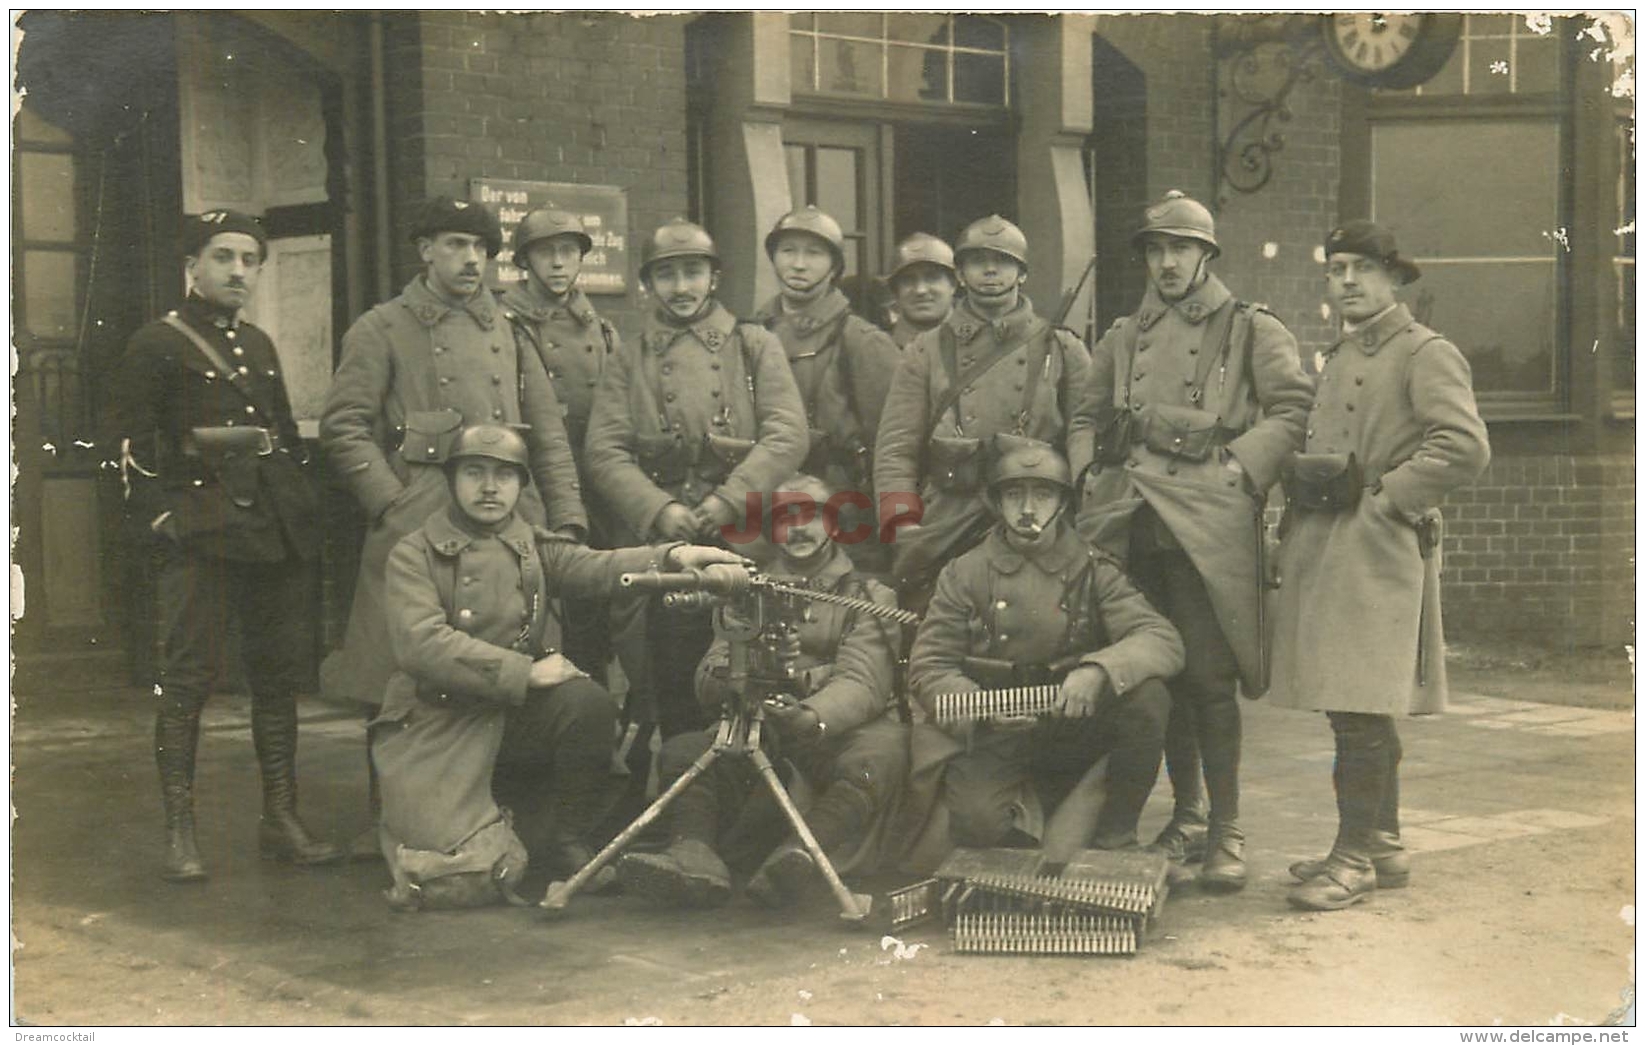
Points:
(1232, 376)
(1358, 603)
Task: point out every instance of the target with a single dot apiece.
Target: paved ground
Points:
(1521, 815)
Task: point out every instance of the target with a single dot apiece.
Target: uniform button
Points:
(714, 392)
(229, 422)
(228, 332)
(1004, 637)
(715, 365)
(199, 482)
(243, 369)
(1323, 378)
(554, 372)
(1193, 350)
(669, 397)
(238, 351)
(496, 348)
(1140, 375)
(965, 360)
(668, 368)
(271, 374)
(250, 409)
(470, 580)
(969, 391)
(1142, 346)
(1189, 380)
(444, 380)
(465, 614)
(431, 452)
(1360, 380)
(1001, 605)
(1171, 469)
(1350, 408)
(497, 414)
(1019, 386)
(496, 379)
(1310, 433)
(591, 383)
(439, 349)
(1137, 407)
(1131, 464)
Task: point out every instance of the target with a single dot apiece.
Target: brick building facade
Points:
(896, 123)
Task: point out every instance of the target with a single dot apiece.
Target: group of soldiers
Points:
(1088, 522)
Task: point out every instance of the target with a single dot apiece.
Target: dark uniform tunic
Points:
(943, 460)
(1065, 603)
(414, 371)
(243, 526)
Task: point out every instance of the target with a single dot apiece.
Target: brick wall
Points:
(590, 98)
(1541, 549)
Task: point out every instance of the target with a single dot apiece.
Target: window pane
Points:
(1489, 25)
(795, 157)
(853, 255)
(977, 31)
(31, 128)
(1449, 79)
(1537, 67)
(850, 23)
(979, 78)
(1501, 315)
(1512, 172)
(50, 290)
(46, 194)
(802, 60)
(1488, 71)
(918, 74)
(837, 186)
(802, 20)
(918, 28)
(850, 68)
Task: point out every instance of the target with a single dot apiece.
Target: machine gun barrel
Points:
(657, 581)
(686, 590)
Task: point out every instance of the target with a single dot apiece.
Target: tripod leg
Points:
(559, 894)
(853, 907)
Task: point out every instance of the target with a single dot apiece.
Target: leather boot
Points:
(1224, 870)
(1361, 777)
(688, 874)
(1346, 879)
(280, 835)
(836, 819)
(176, 735)
(1388, 858)
(1182, 766)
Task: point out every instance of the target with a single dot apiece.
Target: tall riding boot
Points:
(1348, 875)
(176, 736)
(689, 873)
(1393, 864)
(1219, 740)
(1183, 837)
(280, 835)
(836, 819)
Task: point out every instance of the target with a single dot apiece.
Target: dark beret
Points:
(444, 214)
(199, 229)
(1370, 240)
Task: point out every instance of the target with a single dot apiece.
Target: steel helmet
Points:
(497, 442)
(922, 247)
(817, 223)
(1022, 457)
(678, 238)
(1178, 214)
(546, 222)
(993, 233)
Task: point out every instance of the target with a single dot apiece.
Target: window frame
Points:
(883, 103)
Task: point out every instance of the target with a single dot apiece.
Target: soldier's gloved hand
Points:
(1080, 692)
(553, 670)
(676, 523)
(701, 557)
(796, 721)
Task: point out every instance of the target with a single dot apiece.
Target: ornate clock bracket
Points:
(1269, 56)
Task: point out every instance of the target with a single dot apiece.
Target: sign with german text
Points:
(603, 210)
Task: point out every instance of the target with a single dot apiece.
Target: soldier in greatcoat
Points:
(1356, 620)
(1034, 605)
(213, 467)
(554, 320)
(992, 366)
(485, 707)
(690, 420)
(923, 284)
(841, 363)
(1193, 402)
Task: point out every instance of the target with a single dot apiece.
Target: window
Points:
(1496, 254)
(1624, 368)
(832, 177)
(911, 57)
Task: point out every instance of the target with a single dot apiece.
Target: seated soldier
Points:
(483, 707)
(1034, 605)
(840, 734)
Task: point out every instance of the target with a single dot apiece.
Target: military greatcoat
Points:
(1356, 617)
(1231, 379)
(414, 371)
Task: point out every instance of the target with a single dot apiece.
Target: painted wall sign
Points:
(603, 210)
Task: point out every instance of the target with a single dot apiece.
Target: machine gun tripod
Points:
(760, 624)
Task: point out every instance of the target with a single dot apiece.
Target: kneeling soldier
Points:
(482, 701)
(840, 734)
(1034, 605)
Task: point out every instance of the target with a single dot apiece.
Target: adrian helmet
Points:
(1178, 214)
(545, 223)
(497, 442)
(1021, 457)
(993, 233)
(921, 248)
(809, 219)
(677, 238)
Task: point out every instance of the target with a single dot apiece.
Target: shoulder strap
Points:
(1213, 350)
(523, 334)
(215, 358)
(1039, 361)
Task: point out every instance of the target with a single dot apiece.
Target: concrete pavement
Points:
(1520, 815)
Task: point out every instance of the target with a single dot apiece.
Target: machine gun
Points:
(761, 624)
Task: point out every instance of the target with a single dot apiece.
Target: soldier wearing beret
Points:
(923, 284)
(1357, 630)
(554, 320)
(213, 466)
(1193, 402)
(691, 419)
(841, 363)
(992, 366)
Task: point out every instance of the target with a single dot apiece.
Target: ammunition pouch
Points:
(826, 450)
(956, 463)
(229, 455)
(483, 870)
(722, 456)
(1181, 432)
(1323, 482)
(663, 459)
(1113, 439)
(429, 436)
